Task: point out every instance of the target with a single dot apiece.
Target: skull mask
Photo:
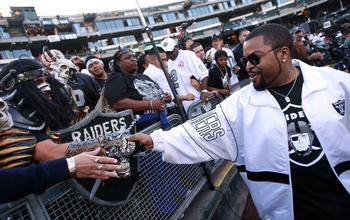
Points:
(54, 55)
(63, 70)
(6, 121)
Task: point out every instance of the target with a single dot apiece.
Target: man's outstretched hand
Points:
(144, 139)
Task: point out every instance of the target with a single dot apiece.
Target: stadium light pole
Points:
(150, 35)
(204, 165)
(278, 12)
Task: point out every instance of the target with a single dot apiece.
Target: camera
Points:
(331, 24)
(185, 25)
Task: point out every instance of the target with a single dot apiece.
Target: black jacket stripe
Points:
(341, 167)
(265, 176)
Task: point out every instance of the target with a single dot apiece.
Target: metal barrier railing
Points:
(163, 191)
(198, 107)
(240, 85)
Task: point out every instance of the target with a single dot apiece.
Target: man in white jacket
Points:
(288, 132)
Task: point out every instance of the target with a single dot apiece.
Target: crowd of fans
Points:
(56, 93)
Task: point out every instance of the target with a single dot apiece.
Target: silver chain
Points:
(286, 97)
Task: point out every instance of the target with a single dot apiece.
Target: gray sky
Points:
(69, 7)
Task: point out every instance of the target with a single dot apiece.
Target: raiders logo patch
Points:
(339, 106)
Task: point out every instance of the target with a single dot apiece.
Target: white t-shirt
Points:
(157, 75)
(181, 69)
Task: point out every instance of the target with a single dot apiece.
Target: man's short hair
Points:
(345, 29)
(242, 30)
(152, 52)
(194, 45)
(220, 53)
(275, 35)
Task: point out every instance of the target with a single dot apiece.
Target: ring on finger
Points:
(100, 167)
(96, 159)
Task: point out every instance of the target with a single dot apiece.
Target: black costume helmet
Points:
(30, 108)
(11, 76)
(20, 71)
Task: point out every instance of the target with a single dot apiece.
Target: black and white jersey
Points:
(86, 91)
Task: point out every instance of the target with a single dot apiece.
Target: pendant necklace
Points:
(223, 77)
(286, 97)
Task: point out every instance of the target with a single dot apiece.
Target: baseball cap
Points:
(215, 35)
(168, 44)
(296, 29)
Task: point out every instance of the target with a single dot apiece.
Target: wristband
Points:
(204, 90)
(71, 166)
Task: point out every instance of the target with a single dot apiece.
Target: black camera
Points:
(185, 25)
(331, 24)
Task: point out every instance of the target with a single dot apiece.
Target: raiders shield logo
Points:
(114, 191)
(339, 106)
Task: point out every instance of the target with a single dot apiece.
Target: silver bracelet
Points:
(71, 166)
(151, 104)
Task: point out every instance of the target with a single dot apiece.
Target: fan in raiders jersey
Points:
(287, 132)
(84, 88)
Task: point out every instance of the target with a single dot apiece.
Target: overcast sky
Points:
(69, 7)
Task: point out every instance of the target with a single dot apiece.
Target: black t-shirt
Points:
(101, 83)
(317, 192)
(219, 78)
(140, 87)
(238, 52)
(86, 91)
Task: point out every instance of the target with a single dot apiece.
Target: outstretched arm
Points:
(36, 178)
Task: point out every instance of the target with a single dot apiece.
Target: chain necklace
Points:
(223, 75)
(286, 97)
(225, 81)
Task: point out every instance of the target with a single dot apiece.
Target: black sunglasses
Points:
(255, 59)
(119, 53)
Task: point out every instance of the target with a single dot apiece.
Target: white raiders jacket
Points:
(250, 129)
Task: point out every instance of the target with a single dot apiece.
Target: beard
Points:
(261, 85)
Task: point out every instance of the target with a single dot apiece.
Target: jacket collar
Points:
(313, 80)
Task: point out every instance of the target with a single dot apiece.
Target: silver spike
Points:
(20, 102)
(32, 114)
